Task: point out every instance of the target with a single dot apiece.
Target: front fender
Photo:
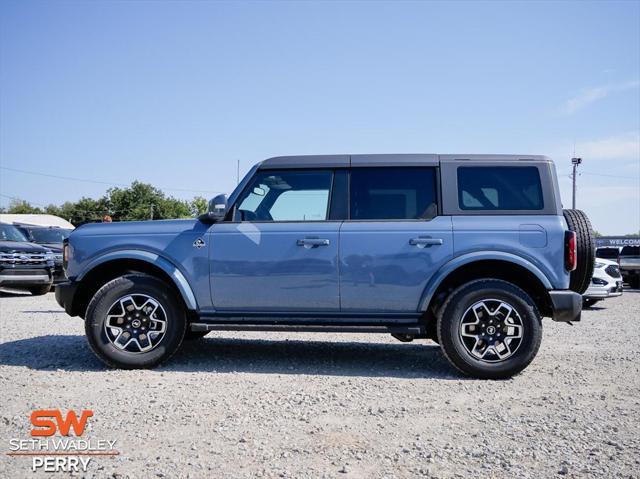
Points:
(152, 258)
(459, 261)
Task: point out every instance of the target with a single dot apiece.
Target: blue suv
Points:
(470, 251)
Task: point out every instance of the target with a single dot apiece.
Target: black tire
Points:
(586, 250)
(194, 335)
(588, 302)
(39, 290)
(106, 298)
(460, 302)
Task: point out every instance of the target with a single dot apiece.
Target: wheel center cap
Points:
(136, 323)
(491, 330)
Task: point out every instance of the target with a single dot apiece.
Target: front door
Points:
(394, 240)
(279, 252)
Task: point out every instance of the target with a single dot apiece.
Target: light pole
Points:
(575, 162)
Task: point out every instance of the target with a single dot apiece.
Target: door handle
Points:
(425, 242)
(312, 242)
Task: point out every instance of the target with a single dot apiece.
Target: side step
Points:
(416, 330)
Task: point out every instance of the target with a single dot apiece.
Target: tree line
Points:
(139, 201)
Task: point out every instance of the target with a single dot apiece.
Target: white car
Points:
(605, 283)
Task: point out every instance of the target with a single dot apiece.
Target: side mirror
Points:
(217, 209)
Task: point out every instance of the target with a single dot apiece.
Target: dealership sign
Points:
(617, 241)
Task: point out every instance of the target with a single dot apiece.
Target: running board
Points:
(416, 330)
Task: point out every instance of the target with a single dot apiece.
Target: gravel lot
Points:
(330, 405)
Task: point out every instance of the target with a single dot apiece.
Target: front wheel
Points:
(489, 329)
(135, 321)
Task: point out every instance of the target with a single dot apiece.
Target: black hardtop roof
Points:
(401, 159)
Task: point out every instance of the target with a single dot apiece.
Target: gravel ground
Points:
(330, 405)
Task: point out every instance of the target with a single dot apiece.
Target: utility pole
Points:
(151, 211)
(575, 162)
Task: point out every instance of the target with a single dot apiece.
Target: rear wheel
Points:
(135, 321)
(40, 290)
(489, 329)
(585, 249)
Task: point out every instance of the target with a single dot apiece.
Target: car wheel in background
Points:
(489, 329)
(39, 290)
(586, 249)
(588, 302)
(135, 321)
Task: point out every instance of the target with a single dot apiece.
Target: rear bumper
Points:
(65, 293)
(567, 305)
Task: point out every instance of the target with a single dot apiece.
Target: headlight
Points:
(48, 256)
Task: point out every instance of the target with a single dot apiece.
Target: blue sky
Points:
(174, 93)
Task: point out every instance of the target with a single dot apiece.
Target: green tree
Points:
(199, 206)
(142, 201)
(21, 207)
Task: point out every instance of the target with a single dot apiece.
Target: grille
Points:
(612, 270)
(23, 258)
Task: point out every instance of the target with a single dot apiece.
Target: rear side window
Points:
(392, 193)
(630, 251)
(499, 188)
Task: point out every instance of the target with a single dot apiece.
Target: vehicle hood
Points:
(55, 247)
(605, 262)
(135, 228)
(21, 246)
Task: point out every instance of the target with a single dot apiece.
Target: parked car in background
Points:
(629, 261)
(24, 265)
(605, 283)
(50, 237)
(608, 252)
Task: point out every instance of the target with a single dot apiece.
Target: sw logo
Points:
(44, 424)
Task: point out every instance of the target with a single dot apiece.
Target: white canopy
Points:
(36, 220)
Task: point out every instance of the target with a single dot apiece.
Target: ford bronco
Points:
(470, 251)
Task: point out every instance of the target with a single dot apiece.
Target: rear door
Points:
(394, 239)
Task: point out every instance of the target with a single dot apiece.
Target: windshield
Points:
(49, 235)
(11, 233)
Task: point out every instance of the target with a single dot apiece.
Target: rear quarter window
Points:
(495, 188)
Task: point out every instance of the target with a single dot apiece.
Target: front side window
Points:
(393, 193)
(499, 188)
(286, 196)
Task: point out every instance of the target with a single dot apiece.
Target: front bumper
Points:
(602, 292)
(65, 293)
(567, 305)
(24, 279)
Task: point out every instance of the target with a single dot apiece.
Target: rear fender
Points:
(468, 258)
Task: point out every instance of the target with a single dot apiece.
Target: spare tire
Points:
(585, 249)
